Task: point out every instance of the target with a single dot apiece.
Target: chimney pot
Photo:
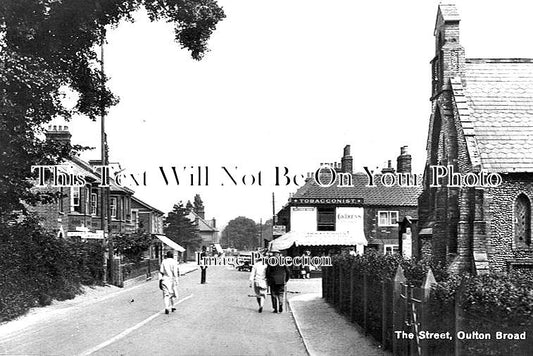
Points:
(388, 168)
(346, 161)
(403, 162)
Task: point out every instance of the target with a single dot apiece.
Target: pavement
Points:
(217, 318)
(324, 331)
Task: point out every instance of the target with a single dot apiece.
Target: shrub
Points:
(36, 267)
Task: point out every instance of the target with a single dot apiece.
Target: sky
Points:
(287, 83)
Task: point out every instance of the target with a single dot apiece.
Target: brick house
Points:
(79, 213)
(481, 120)
(206, 229)
(374, 211)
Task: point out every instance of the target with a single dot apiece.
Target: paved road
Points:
(215, 318)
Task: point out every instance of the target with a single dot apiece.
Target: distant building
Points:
(350, 212)
(206, 229)
(481, 120)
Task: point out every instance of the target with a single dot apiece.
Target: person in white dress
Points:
(169, 274)
(258, 282)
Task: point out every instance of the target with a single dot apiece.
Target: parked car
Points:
(245, 262)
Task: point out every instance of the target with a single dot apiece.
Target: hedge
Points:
(485, 303)
(36, 267)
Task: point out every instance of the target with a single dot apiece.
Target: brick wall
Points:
(372, 228)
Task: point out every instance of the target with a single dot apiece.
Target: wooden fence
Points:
(401, 316)
(127, 271)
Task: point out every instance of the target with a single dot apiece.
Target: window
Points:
(326, 219)
(391, 249)
(522, 221)
(94, 203)
(113, 207)
(75, 199)
(387, 218)
(61, 200)
(87, 200)
(134, 218)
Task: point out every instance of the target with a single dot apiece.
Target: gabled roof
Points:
(372, 196)
(446, 13)
(145, 205)
(497, 113)
(82, 167)
(203, 225)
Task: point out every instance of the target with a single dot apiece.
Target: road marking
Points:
(127, 331)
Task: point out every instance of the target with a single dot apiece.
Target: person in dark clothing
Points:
(203, 268)
(277, 277)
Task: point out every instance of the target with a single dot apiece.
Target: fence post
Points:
(458, 317)
(365, 304)
(339, 280)
(429, 281)
(352, 297)
(397, 322)
(383, 314)
(329, 284)
(324, 273)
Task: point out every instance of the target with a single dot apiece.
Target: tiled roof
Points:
(377, 196)
(449, 12)
(203, 225)
(146, 205)
(499, 95)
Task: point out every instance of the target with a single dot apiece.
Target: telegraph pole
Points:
(273, 215)
(105, 191)
(261, 243)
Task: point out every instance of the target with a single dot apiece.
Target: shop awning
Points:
(170, 243)
(318, 238)
(219, 248)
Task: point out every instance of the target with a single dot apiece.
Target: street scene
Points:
(218, 317)
(235, 177)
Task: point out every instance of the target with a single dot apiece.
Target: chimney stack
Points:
(347, 161)
(58, 133)
(404, 161)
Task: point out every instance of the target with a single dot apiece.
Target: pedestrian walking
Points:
(277, 276)
(258, 281)
(203, 268)
(306, 268)
(168, 282)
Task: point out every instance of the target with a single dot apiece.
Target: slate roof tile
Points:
(372, 196)
(500, 98)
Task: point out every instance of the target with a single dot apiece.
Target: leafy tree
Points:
(132, 246)
(241, 233)
(189, 206)
(47, 49)
(198, 205)
(180, 229)
(48, 45)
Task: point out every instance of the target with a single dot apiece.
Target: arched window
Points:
(522, 221)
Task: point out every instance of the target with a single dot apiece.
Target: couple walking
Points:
(275, 277)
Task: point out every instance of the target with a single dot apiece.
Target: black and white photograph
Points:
(252, 177)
